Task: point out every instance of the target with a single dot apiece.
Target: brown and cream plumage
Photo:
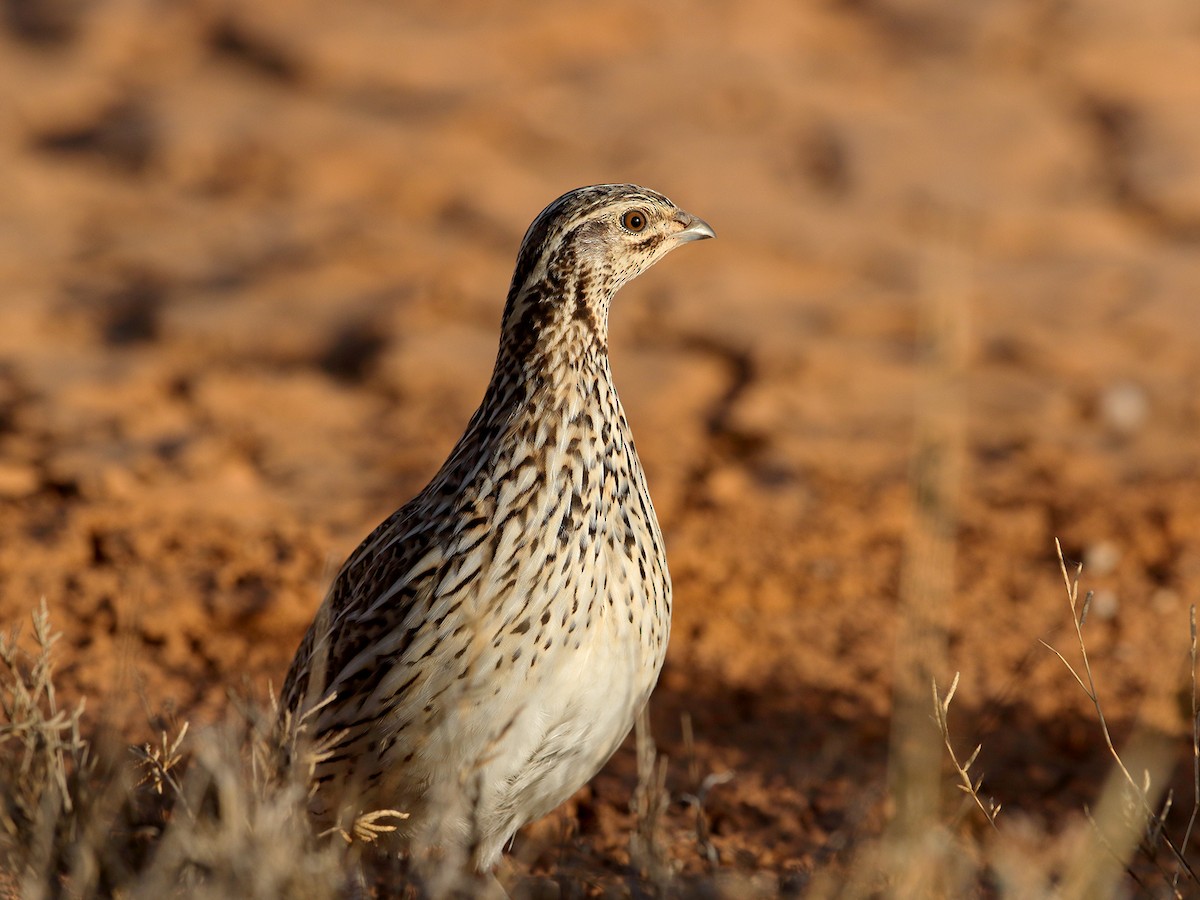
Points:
(489, 645)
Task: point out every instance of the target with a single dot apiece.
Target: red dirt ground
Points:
(253, 261)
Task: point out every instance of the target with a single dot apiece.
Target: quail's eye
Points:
(634, 220)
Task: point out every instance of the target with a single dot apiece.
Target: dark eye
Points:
(634, 220)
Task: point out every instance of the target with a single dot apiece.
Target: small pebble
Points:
(1104, 606)
(1124, 407)
(1101, 558)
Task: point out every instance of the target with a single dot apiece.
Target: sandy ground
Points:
(253, 261)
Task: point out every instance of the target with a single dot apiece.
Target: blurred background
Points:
(253, 259)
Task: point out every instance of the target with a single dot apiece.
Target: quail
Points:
(485, 650)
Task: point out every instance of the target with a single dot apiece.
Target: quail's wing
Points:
(387, 579)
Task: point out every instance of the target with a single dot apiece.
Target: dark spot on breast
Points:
(583, 313)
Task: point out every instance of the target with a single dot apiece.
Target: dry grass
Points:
(219, 813)
(1129, 844)
(222, 811)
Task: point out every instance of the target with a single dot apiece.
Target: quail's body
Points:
(490, 644)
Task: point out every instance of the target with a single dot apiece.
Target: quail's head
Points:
(584, 246)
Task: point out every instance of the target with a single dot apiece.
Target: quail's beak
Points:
(693, 229)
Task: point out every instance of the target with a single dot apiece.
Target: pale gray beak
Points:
(694, 229)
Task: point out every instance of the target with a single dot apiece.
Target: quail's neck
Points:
(560, 314)
(567, 367)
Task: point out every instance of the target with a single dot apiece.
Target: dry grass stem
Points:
(647, 847)
(159, 761)
(1148, 820)
(941, 707)
(1195, 723)
(697, 798)
(927, 578)
(42, 744)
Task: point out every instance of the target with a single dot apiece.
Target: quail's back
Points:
(488, 646)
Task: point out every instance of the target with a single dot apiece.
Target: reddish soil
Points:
(253, 263)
